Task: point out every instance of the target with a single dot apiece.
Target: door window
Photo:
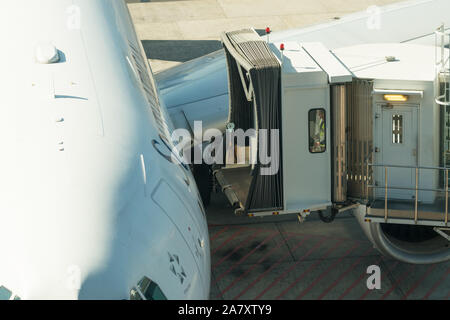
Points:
(397, 129)
(317, 131)
(147, 290)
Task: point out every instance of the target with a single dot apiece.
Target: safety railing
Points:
(416, 189)
(442, 41)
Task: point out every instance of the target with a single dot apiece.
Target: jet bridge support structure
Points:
(358, 132)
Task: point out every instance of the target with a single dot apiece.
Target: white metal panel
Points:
(307, 180)
(294, 58)
(369, 61)
(307, 176)
(337, 72)
(299, 69)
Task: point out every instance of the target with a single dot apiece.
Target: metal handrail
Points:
(416, 188)
(408, 189)
(407, 167)
(441, 40)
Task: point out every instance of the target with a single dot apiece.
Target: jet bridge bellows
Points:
(255, 103)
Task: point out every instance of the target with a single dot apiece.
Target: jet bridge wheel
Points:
(204, 179)
(330, 216)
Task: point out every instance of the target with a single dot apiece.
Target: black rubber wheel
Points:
(203, 178)
(329, 217)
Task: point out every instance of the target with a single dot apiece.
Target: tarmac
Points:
(173, 32)
(278, 257)
(281, 258)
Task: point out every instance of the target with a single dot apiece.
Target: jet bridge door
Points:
(396, 144)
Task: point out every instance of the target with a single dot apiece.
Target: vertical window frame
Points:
(309, 130)
(397, 129)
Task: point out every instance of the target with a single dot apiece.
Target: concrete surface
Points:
(276, 257)
(279, 258)
(178, 31)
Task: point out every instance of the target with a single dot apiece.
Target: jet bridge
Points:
(363, 127)
(356, 126)
(274, 94)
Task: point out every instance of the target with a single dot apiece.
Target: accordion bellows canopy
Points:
(255, 102)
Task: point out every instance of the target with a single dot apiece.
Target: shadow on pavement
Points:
(179, 50)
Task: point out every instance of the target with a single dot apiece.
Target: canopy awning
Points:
(254, 75)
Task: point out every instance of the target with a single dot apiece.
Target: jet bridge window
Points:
(147, 290)
(397, 129)
(317, 131)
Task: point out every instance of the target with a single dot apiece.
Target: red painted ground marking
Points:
(326, 272)
(437, 284)
(270, 237)
(362, 242)
(346, 272)
(392, 268)
(247, 240)
(218, 234)
(356, 282)
(410, 269)
(293, 267)
(414, 287)
(267, 255)
(234, 235)
(325, 237)
(272, 267)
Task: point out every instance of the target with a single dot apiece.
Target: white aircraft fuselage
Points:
(91, 200)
